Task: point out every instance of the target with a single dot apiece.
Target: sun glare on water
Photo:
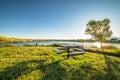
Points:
(97, 44)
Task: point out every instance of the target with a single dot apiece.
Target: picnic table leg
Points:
(68, 50)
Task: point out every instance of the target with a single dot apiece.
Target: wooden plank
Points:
(77, 49)
(57, 51)
(62, 48)
(77, 53)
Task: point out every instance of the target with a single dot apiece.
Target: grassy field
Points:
(41, 63)
(109, 51)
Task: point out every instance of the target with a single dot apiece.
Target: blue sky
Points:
(55, 19)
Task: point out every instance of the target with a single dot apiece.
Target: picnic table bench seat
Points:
(77, 49)
(57, 51)
(77, 53)
(62, 48)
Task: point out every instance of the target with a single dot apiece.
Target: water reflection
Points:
(84, 44)
(97, 44)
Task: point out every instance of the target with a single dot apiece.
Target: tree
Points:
(99, 30)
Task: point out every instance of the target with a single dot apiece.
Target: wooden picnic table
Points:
(76, 50)
(68, 47)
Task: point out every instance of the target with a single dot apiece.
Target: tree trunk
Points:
(101, 46)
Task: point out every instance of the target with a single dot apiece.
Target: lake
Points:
(85, 44)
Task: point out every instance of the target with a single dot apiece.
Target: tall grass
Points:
(41, 63)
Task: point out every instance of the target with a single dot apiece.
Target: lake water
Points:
(85, 44)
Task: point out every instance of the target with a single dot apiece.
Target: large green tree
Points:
(99, 30)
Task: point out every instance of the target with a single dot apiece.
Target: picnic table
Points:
(76, 50)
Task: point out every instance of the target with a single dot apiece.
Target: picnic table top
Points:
(70, 46)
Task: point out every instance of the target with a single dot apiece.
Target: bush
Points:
(28, 45)
(55, 45)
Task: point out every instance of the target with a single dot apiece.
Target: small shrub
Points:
(28, 45)
(55, 45)
(43, 45)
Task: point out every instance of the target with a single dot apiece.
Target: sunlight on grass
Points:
(42, 63)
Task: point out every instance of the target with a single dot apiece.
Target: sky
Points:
(55, 19)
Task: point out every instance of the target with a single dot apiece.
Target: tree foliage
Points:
(99, 30)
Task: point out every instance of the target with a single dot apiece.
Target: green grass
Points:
(109, 51)
(41, 63)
